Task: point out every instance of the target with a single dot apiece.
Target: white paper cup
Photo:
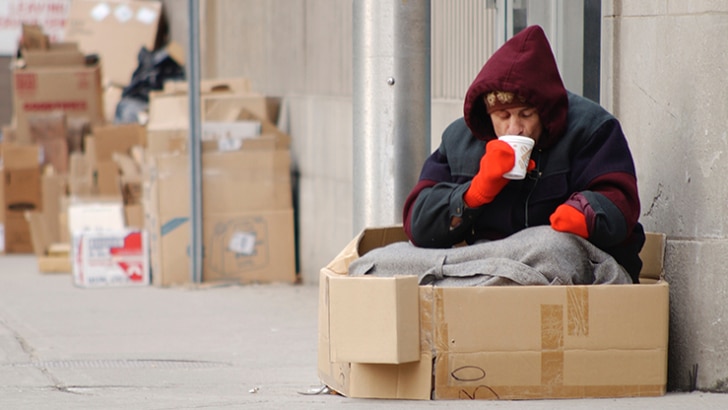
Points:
(522, 146)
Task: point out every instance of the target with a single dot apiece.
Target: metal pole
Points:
(193, 81)
(391, 103)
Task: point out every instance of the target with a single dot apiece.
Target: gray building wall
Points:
(664, 66)
(664, 75)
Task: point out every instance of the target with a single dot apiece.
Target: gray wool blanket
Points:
(533, 256)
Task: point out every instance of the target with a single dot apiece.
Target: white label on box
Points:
(146, 15)
(100, 12)
(227, 144)
(123, 13)
(242, 243)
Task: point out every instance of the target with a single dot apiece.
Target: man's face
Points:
(517, 121)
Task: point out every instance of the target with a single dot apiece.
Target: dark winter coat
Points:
(582, 158)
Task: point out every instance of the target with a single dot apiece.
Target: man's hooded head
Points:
(521, 72)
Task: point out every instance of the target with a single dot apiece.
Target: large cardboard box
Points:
(116, 30)
(75, 90)
(247, 217)
(498, 342)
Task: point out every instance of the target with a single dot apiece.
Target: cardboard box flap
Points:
(407, 381)
(368, 239)
(374, 320)
(411, 380)
(56, 55)
(227, 107)
(340, 264)
(377, 237)
(653, 256)
(33, 37)
(268, 128)
(235, 85)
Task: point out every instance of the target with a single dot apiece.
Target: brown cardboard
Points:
(53, 188)
(247, 217)
(42, 239)
(132, 189)
(134, 216)
(168, 239)
(117, 138)
(33, 37)
(50, 132)
(21, 192)
(17, 233)
(57, 55)
(78, 129)
(392, 338)
(22, 189)
(248, 247)
(16, 156)
(73, 90)
(55, 264)
(80, 175)
(364, 380)
(169, 141)
(108, 180)
(511, 342)
(115, 30)
(234, 85)
(171, 111)
(45, 229)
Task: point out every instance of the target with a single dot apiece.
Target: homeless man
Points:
(572, 220)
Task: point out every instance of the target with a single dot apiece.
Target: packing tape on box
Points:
(449, 386)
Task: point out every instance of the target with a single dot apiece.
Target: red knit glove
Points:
(566, 218)
(499, 158)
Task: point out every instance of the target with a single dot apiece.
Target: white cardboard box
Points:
(111, 258)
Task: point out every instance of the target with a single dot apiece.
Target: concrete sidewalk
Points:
(225, 347)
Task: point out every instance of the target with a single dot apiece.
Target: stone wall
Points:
(665, 71)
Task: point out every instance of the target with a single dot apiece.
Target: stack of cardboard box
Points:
(50, 78)
(125, 187)
(104, 208)
(56, 98)
(247, 214)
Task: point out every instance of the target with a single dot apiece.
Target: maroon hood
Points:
(524, 65)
